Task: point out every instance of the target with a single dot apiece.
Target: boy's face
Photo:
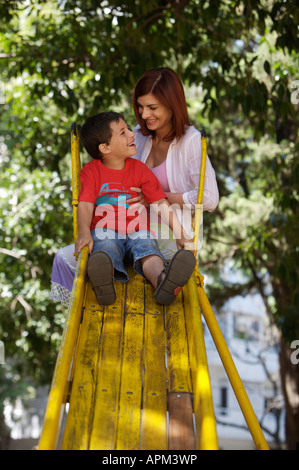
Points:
(121, 144)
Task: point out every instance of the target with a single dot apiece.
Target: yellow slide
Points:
(134, 375)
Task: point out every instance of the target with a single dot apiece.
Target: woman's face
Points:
(157, 117)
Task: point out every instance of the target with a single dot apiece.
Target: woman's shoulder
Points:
(138, 133)
(191, 131)
(140, 141)
(136, 128)
(191, 135)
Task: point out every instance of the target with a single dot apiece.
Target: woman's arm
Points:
(175, 198)
(210, 191)
(172, 198)
(163, 208)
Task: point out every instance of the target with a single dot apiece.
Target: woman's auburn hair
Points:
(166, 86)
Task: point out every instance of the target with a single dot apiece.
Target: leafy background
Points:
(63, 60)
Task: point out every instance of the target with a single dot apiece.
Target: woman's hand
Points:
(140, 204)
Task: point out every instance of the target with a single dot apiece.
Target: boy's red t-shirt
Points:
(108, 190)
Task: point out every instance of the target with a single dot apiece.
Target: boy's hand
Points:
(82, 241)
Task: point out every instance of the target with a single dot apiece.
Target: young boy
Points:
(108, 224)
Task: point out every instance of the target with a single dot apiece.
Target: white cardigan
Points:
(183, 167)
(183, 170)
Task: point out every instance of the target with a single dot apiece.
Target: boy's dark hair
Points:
(96, 130)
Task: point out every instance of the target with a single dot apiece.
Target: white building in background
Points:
(25, 420)
(243, 323)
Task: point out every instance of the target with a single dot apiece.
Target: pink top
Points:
(160, 172)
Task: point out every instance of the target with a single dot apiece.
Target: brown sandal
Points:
(177, 274)
(101, 274)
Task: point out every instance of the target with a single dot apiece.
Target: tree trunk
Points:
(289, 372)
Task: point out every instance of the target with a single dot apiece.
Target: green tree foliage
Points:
(63, 60)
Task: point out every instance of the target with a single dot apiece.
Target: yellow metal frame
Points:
(206, 309)
(62, 374)
(76, 167)
(196, 302)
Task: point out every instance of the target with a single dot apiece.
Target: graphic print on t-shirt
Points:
(113, 210)
(113, 194)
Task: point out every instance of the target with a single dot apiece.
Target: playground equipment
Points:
(134, 375)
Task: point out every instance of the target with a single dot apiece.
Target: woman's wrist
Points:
(175, 198)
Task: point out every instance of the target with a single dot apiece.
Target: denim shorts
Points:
(125, 248)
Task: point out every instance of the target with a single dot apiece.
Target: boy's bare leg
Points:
(152, 266)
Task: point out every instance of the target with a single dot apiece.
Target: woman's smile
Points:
(157, 117)
(150, 122)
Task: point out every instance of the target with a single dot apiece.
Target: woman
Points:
(171, 147)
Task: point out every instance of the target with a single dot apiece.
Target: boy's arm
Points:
(169, 217)
(84, 215)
